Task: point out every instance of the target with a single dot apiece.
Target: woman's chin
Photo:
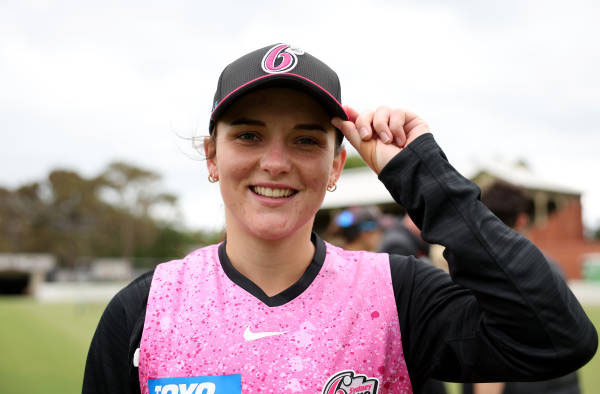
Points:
(273, 231)
(270, 226)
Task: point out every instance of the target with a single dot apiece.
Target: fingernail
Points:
(363, 132)
(385, 137)
(399, 141)
(337, 122)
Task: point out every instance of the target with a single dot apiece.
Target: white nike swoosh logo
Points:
(253, 336)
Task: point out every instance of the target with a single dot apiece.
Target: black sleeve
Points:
(109, 366)
(502, 314)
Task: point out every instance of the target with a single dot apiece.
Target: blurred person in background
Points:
(358, 228)
(275, 309)
(402, 236)
(509, 204)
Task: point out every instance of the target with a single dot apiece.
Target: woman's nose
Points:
(275, 159)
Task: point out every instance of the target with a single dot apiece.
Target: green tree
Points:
(354, 161)
(135, 191)
(109, 215)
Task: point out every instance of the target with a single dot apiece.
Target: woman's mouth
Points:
(273, 192)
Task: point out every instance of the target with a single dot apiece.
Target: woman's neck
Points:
(273, 265)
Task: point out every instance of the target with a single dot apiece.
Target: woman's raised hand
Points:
(379, 135)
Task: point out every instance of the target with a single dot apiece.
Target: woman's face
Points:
(275, 157)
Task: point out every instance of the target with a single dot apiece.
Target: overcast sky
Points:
(82, 83)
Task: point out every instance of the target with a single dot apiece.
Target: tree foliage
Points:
(354, 161)
(109, 215)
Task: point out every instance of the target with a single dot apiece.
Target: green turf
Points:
(43, 347)
(589, 376)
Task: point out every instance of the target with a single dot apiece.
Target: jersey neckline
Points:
(286, 295)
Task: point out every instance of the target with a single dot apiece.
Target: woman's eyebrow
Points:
(247, 121)
(310, 126)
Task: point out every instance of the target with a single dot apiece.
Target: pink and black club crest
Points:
(346, 382)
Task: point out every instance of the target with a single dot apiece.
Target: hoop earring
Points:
(332, 188)
(212, 179)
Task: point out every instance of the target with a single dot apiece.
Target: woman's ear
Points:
(210, 153)
(338, 165)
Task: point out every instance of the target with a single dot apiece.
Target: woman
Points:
(274, 308)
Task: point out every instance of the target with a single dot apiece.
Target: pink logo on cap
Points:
(281, 58)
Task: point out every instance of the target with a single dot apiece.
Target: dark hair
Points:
(351, 222)
(505, 201)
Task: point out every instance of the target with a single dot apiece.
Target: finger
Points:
(397, 119)
(363, 125)
(413, 120)
(414, 127)
(351, 112)
(349, 130)
(381, 119)
(412, 123)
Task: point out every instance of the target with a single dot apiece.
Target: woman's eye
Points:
(248, 136)
(307, 141)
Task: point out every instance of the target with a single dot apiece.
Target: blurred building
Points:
(23, 273)
(555, 211)
(115, 269)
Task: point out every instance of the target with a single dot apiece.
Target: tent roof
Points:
(357, 186)
(360, 186)
(518, 174)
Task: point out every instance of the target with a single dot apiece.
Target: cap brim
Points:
(294, 81)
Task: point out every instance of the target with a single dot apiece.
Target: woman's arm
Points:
(504, 315)
(109, 367)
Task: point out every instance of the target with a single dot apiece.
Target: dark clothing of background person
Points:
(400, 240)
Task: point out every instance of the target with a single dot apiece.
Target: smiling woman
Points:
(275, 156)
(275, 308)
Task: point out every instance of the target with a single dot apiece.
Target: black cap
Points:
(278, 65)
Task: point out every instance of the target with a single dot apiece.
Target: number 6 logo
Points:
(281, 58)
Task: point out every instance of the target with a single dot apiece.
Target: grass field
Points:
(43, 347)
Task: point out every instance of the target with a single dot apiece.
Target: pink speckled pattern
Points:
(345, 320)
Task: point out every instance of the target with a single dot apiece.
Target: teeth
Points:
(269, 192)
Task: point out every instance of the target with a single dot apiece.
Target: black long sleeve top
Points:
(501, 314)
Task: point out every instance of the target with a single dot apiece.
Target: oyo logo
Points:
(224, 384)
(281, 58)
(347, 382)
(181, 388)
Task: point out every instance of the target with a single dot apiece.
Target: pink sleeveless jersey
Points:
(204, 334)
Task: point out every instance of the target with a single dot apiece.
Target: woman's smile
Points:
(273, 192)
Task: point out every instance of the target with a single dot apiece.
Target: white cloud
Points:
(83, 84)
